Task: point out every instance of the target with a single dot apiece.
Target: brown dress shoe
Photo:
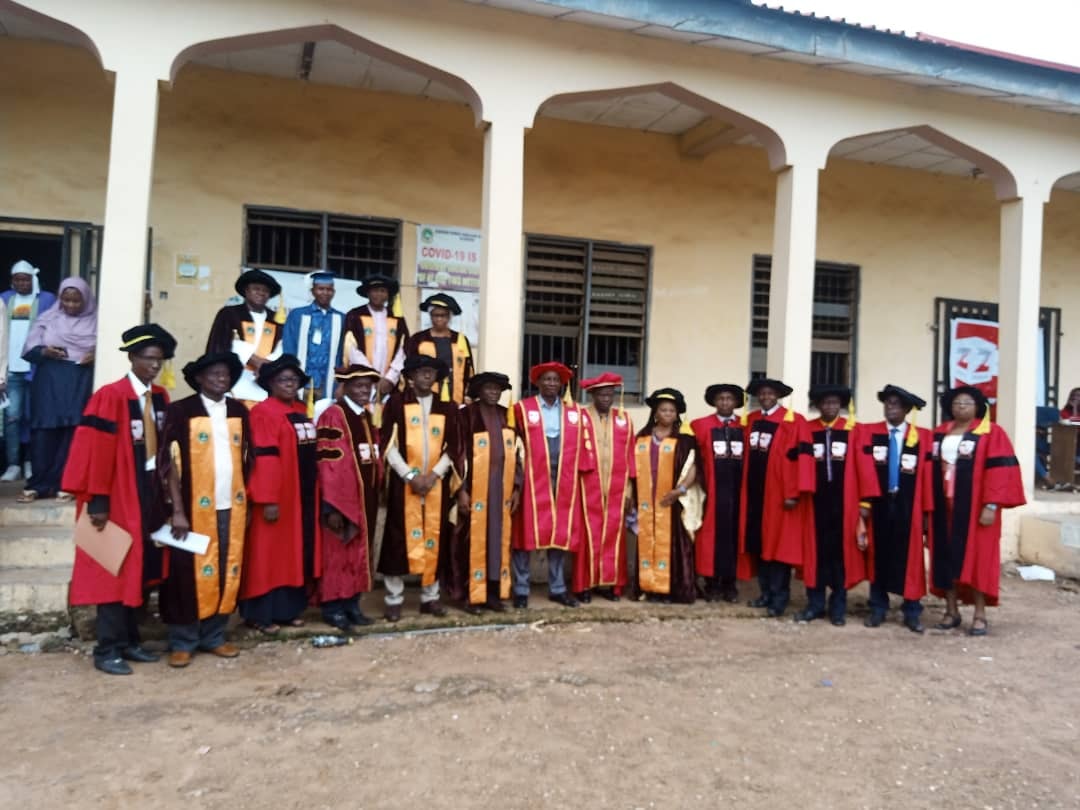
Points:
(179, 659)
(226, 650)
(393, 613)
(434, 608)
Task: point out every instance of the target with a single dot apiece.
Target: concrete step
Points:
(1053, 541)
(27, 546)
(40, 513)
(38, 589)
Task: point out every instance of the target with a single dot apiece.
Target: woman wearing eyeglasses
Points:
(975, 476)
(282, 551)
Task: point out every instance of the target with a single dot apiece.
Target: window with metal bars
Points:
(586, 305)
(303, 241)
(836, 303)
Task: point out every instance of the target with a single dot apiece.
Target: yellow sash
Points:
(423, 515)
(264, 341)
(481, 468)
(460, 353)
(211, 598)
(654, 520)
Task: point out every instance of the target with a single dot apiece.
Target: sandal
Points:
(265, 629)
(64, 497)
(297, 623)
(27, 496)
(948, 622)
(977, 630)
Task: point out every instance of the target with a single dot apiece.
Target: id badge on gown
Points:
(316, 337)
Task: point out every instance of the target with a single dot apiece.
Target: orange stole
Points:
(264, 341)
(211, 598)
(460, 355)
(481, 468)
(369, 340)
(654, 520)
(423, 515)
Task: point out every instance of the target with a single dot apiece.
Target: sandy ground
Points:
(702, 710)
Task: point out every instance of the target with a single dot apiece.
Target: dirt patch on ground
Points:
(702, 711)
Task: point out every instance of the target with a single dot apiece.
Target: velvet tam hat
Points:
(564, 372)
(609, 379)
(909, 399)
(389, 284)
(767, 382)
(713, 391)
(483, 378)
(418, 361)
(269, 370)
(666, 395)
(841, 392)
(441, 300)
(981, 402)
(151, 334)
(257, 277)
(195, 367)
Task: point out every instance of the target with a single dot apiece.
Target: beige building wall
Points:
(227, 139)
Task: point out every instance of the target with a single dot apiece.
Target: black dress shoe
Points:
(564, 599)
(774, 613)
(874, 620)
(838, 621)
(340, 622)
(433, 608)
(521, 602)
(359, 619)
(495, 605)
(760, 602)
(112, 666)
(808, 615)
(585, 597)
(609, 594)
(914, 625)
(471, 609)
(139, 655)
(731, 596)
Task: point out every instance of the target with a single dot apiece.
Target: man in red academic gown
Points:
(836, 506)
(557, 449)
(901, 456)
(110, 470)
(776, 515)
(601, 562)
(721, 444)
(350, 475)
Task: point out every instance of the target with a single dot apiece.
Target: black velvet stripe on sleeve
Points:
(1002, 461)
(97, 423)
(266, 451)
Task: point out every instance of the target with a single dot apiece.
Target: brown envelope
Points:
(108, 548)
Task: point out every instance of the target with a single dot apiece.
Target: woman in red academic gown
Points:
(663, 472)
(281, 557)
(976, 475)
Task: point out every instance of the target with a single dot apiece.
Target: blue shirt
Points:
(552, 417)
(317, 362)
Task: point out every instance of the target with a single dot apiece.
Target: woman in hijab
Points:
(61, 345)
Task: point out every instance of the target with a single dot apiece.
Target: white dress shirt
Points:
(141, 391)
(223, 468)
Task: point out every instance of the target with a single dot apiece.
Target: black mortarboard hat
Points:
(819, 392)
(666, 395)
(909, 399)
(724, 388)
(138, 338)
(192, 369)
(271, 368)
(767, 382)
(441, 300)
(484, 377)
(378, 280)
(355, 371)
(257, 277)
(423, 361)
(981, 402)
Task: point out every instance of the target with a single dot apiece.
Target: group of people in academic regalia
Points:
(263, 487)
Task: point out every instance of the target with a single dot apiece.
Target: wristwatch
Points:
(410, 475)
(993, 507)
(682, 489)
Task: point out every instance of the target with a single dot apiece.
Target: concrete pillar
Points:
(127, 205)
(502, 276)
(1018, 316)
(791, 291)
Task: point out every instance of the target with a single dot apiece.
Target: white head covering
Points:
(24, 267)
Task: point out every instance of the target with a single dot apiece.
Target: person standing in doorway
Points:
(61, 346)
(375, 333)
(23, 303)
(314, 335)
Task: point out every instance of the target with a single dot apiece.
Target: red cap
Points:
(601, 381)
(565, 374)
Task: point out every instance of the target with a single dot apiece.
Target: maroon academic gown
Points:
(720, 463)
(894, 554)
(836, 502)
(107, 460)
(779, 465)
(964, 554)
(350, 473)
(284, 553)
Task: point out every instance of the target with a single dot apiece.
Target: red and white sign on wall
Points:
(973, 355)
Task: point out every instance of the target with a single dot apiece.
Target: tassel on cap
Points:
(311, 401)
(395, 307)
(511, 420)
(376, 415)
(685, 429)
(280, 315)
(567, 398)
(851, 413)
(167, 377)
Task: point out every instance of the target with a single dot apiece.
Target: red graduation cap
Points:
(565, 374)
